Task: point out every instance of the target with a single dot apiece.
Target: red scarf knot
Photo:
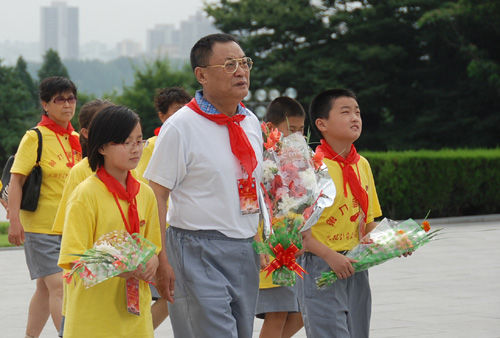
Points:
(285, 258)
(240, 145)
(129, 194)
(74, 141)
(348, 174)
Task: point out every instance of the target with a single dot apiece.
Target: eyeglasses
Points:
(62, 99)
(231, 66)
(129, 145)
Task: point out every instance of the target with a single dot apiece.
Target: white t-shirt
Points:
(193, 158)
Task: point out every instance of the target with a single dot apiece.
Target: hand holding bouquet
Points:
(388, 240)
(113, 254)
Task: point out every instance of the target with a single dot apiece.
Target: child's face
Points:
(124, 156)
(171, 110)
(292, 124)
(344, 122)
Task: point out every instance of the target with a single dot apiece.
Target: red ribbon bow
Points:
(285, 258)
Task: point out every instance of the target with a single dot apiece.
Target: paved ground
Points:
(448, 289)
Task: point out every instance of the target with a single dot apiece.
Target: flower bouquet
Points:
(389, 239)
(295, 188)
(114, 253)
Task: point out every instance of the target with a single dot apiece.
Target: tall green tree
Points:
(15, 119)
(22, 71)
(52, 66)
(147, 80)
(414, 89)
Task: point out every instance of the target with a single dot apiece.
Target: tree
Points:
(22, 72)
(409, 82)
(140, 95)
(14, 118)
(52, 66)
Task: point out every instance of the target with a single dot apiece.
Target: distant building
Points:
(128, 48)
(165, 40)
(60, 30)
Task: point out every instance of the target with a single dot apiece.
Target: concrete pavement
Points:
(448, 288)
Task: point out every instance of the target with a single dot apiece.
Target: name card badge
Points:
(133, 296)
(249, 203)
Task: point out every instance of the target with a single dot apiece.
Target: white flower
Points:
(308, 178)
(108, 248)
(269, 170)
(288, 204)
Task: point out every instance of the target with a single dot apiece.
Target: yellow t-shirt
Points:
(54, 172)
(337, 227)
(146, 156)
(101, 310)
(77, 175)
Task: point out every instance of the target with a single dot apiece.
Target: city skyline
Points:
(103, 49)
(108, 22)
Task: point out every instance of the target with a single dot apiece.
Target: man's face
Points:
(220, 84)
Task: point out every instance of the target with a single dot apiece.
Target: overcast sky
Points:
(108, 21)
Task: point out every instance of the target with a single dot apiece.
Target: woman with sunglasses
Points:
(61, 150)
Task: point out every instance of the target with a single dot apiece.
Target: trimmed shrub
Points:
(447, 182)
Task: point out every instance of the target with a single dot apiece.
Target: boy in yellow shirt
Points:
(344, 308)
(278, 305)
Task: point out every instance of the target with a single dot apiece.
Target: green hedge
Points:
(447, 182)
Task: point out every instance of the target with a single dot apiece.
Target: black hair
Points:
(202, 50)
(165, 97)
(87, 112)
(281, 108)
(323, 103)
(51, 86)
(112, 124)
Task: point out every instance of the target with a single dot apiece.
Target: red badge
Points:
(248, 196)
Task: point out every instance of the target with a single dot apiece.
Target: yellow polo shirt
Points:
(101, 310)
(146, 156)
(54, 172)
(337, 226)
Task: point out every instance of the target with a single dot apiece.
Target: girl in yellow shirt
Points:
(112, 199)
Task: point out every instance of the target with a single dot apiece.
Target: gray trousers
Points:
(216, 285)
(341, 310)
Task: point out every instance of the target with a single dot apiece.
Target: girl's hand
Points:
(264, 260)
(149, 272)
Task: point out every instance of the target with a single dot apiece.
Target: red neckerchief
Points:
(74, 141)
(157, 131)
(240, 145)
(118, 191)
(348, 174)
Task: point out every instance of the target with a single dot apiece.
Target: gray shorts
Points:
(154, 292)
(42, 254)
(341, 310)
(280, 299)
(216, 284)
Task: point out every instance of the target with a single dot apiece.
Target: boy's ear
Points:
(200, 75)
(84, 132)
(320, 124)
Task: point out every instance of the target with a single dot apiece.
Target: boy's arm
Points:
(370, 226)
(339, 263)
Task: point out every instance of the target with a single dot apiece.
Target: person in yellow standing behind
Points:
(278, 305)
(110, 200)
(61, 150)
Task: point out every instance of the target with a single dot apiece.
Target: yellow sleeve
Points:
(76, 176)
(374, 209)
(152, 227)
(25, 158)
(79, 228)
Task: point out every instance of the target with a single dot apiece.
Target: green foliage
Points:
(448, 182)
(426, 71)
(52, 66)
(140, 95)
(17, 112)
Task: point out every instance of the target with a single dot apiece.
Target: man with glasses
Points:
(207, 160)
